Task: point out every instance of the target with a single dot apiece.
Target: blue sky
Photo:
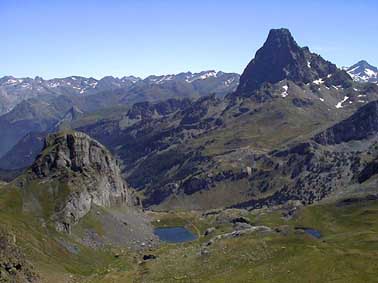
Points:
(142, 37)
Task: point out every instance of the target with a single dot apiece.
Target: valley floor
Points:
(346, 252)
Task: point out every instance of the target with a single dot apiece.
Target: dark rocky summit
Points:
(281, 58)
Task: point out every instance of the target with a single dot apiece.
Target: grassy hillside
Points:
(56, 257)
(346, 252)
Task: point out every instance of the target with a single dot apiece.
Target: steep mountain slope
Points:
(73, 114)
(338, 161)
(23, 154)
(29, 116)
(361, 125)
(36, 115)
(362, 71)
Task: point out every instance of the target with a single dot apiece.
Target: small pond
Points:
(310, 231)
(313, 232)
(174, 234)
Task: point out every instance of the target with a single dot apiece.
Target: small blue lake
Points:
(310, 231)
(313, 232)
(174, 234)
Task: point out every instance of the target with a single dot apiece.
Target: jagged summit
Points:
(282, 58)
(281, 38)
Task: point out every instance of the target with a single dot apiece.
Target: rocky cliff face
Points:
(361, 125)
(87, 170)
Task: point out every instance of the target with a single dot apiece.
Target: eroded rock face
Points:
(361, 125)
(87, 169)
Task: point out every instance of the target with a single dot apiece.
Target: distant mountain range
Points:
(14, 90)
(37, 105)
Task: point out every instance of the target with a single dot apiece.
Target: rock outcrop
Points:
(85, 171)
(361, 125)
(13, 264)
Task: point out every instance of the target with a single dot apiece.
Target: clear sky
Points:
(58, 38)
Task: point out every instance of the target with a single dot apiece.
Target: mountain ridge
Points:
(42, 112)
(15, 90)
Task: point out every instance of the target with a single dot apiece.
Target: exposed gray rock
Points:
(91, 173)
(242, 226)
(209, 231)
(237, 233)
(361, 125)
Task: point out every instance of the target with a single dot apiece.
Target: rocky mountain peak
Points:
(364, 64)
(282, 58)
(281, 38)
(362, 71)
(90, 175)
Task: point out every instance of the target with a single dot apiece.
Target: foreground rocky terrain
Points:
(74, 196)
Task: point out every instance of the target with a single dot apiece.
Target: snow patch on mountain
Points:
(318, 82)
(340, 104)
(284, 94)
